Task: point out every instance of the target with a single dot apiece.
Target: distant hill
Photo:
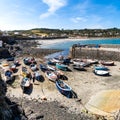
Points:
(53, 33)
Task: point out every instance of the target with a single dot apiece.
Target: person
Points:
(33, 77)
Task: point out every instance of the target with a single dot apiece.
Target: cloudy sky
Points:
(66, 14)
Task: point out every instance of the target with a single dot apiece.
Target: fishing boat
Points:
(64, 88)
(57, 60)
(78, 67)
(66, 61)
(43, 67)
(61, 66)
(52, 68)
(37, 76)
(33, 67)
(100, 67)
(33, 60)
(25, 72)
(25, 83)
(16, 62)
(80, 62)
(51, 62)
(101, 72)
(107, 63)
(91, 61)
(13, 67)
(8, 75)
(51, 76)
(27, 61)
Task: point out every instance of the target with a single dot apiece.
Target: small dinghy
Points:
(33, 67)
(43, 67)
(25, 72)
(78, 67)
(100, 67)
(107, 63)
(51, 76)
(101, 72)
(61, 66)
(52, 68)
(63, 88)
(8, 75)
(27, 61)
(25, 83)
(17, 63)
(13, 67)
(37, 76)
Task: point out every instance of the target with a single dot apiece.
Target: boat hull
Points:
(101, 73)
(61, 67)
(43, 67)
(100, 68)
(108, 63)
(51, 76)
(67, 91)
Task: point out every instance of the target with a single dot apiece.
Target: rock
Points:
(28, 111)
(43, 98)
(39, 116)
(20, 109)
(79, 100)
(32, 117)
(22, 117)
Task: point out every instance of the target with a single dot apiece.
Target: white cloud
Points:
(53, 5)
(78, 19)
(83, 7)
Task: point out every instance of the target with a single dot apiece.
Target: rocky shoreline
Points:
(35, 110)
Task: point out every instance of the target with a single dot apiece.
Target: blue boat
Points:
(49, 62)
(27, 61)
(64, 88)
(8, 73)
(43, 67)
(100, 67)
(61, 66)
(67, 61)
(8, 76)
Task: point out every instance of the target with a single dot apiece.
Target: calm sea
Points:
(67, 44)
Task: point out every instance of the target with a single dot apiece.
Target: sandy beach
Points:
(46, 42)
(54, 41)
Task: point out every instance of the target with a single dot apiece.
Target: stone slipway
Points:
(105, 103)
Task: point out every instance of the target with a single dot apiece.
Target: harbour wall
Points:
(104, 52)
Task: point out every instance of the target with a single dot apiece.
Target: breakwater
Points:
(105, 52)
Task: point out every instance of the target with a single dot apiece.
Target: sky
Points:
(59, 14)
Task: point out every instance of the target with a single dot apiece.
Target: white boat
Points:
(64, 88)
(25, 82)
(51, 76)
(37, 76)
(101, 72)
(52, 68)
(33, 67)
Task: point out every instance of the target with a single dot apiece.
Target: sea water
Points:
(65, 46)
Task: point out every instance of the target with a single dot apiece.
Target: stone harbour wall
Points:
(94, 53)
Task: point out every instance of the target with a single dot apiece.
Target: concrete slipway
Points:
(105, 103)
